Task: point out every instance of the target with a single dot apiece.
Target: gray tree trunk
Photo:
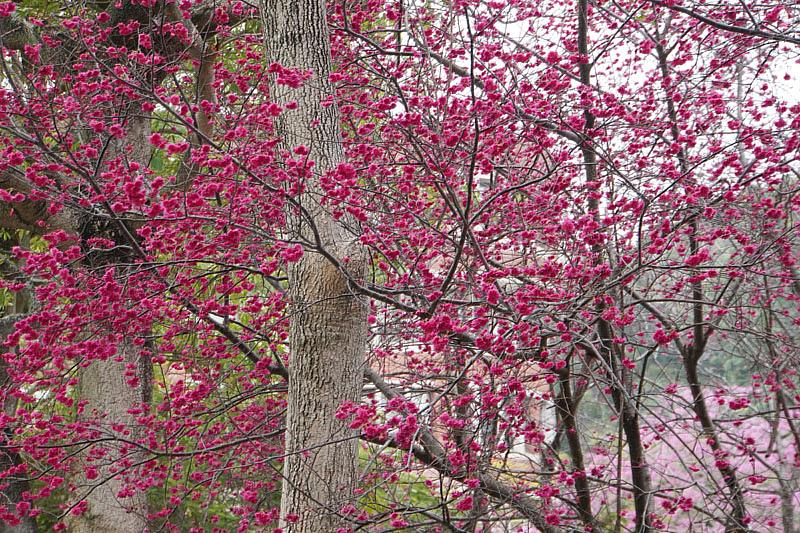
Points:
(328, 321)
(108, 399)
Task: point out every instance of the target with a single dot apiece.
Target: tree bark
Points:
(328, 321)
(109, 397)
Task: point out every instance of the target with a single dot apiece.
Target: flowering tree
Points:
(367, 266)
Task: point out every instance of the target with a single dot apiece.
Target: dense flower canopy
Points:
(581, 225)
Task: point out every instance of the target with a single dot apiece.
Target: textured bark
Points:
(109, 397)
(102, 384)
(787, 505)
(328, 329)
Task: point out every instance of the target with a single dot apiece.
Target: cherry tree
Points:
(368, 266)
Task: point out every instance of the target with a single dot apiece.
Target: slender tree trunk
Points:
(692, 356)
(328, 322)
(787, 505)
(640, 470)
(738, 513)
(565, 404)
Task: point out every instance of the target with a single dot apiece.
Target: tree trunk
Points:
(787, 505)
(103, 387)
(328, 321)
(109, 397)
